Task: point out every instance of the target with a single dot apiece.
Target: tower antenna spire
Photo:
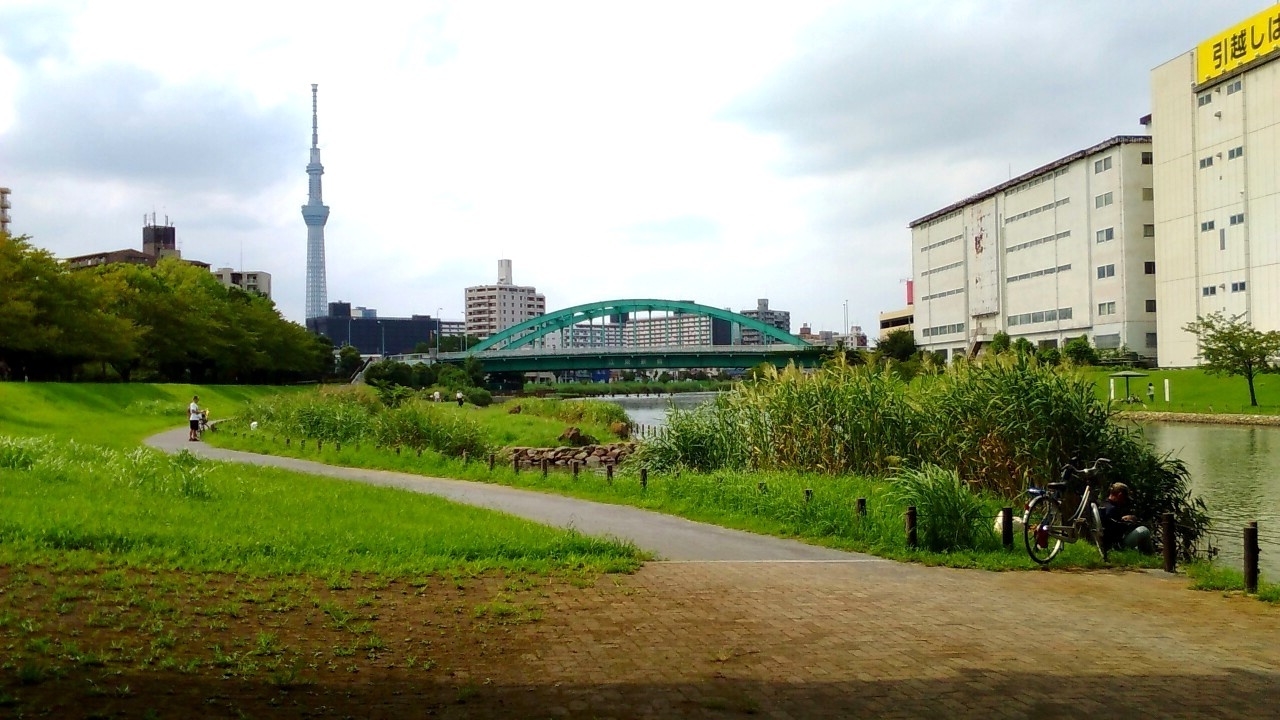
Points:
(315, 126)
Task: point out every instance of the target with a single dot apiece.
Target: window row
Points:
(942, 268)
(941, 219)
(940, 243)
(943, 330)
(1213, 289)
(1102, 165)
(1036, 211)
(1032, 318)
(1037, 181)
(1235, 87)
(1038, 241)
(946, 293)
(1236, 219)
(1039, 273)
(1233, 154)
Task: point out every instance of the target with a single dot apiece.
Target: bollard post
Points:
(1251, 557)
(319, 445)
(286, 441)
(515, 463)
(576, 466)
(1170, 542)
(862, 507)
(545, 464)
(338, 447)
(608, 474)
(808, 495)
(1006, 527)
(644, 478)
(303, 444)
(464, 457)
(491, 461)
(911, 526)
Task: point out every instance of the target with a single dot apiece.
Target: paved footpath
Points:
(844, 637)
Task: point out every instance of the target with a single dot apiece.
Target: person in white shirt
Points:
(194, 415)
(459, 398)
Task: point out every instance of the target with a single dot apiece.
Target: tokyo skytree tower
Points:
(315, 213)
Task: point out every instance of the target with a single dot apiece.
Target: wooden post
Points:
(545, 464)
(862, 507)
(911, 526)
(1006, 527)
(1251, 557)
(303, 444)
(808, 495)
(319, 445)
(286, 441)
(491, 461)
(338, 446)
(644, 478)
(576, 466)
(464, 457)
(608, 474)
(515, 463)
(1170, 542)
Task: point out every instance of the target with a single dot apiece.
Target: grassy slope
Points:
(116, 415)
(251, 518)
(1195, 390)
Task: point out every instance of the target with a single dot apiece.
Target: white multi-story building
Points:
(4, 209)
(255, 281)
(1215, 120)
(1064, 250)
(493, 308)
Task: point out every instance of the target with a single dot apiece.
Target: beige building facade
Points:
(1215, 112)
(493, 308)
(1062, 251)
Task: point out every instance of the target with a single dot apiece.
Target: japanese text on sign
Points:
(1238, 46)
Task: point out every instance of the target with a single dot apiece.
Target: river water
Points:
(1236, 469)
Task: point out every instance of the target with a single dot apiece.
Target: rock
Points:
(515, 410)
(574, 436)
(620, 429)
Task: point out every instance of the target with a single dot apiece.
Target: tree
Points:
(1000, 343)
(349, 361)
(456, 343)
(899, 345)
(1231, 346)
(1079, 351)
(1023, 347)
(474, 369)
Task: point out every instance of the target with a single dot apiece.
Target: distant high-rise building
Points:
(493, 308)
(159, 241)
(4, 209)
(254, 281)
(315, 213)
(780, 319)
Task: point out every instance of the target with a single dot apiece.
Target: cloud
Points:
(125, 124)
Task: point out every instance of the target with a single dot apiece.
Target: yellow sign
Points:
(1239, 45)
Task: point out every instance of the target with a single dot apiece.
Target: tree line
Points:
(174, 322)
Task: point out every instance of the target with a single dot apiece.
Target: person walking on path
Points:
(194, 415)
(1151, 393)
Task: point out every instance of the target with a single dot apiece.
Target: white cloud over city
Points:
(714, 151)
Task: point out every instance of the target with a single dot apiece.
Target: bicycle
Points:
(1046, 528)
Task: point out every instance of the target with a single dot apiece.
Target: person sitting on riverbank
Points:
(1121, 529)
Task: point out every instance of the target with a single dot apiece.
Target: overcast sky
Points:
(712, 151)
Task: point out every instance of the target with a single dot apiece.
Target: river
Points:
(1236, 469)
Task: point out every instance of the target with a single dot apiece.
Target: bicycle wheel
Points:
(1041, 515)
(1095, 516)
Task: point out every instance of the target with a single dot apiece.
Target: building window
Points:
(1147, 158)
(1107, 308)
(1106, 235)
(1149, 267)
(1103, 200)
(1151, 306)
(1237, 219)
(1237, 286)
(1148, 231)
(1204, 99)
(1235, 152)
(1208, 290)
(1107, 342)
(1206, 162)
(1102, 165)
(1206, 226)
(1106, 271)
(1148, 194)
(1151, 340)
(1235, 87)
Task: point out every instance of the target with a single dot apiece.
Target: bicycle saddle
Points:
(1057, 486)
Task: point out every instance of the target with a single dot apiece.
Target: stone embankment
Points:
(1212, 418)
(588, 455)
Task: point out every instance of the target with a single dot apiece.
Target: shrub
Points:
(478, 396)
(951, 517)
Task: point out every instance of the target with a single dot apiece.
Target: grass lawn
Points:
(1194, 391)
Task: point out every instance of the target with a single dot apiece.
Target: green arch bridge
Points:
(523, 347)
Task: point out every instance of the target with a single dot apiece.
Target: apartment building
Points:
(1215, 122)
(493, 308)
(1063, 250)
(254, 281)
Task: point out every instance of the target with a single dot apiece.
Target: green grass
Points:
(1194, 391)
(1207, 576)
(145, 509)
(118, 415)
(528, 429)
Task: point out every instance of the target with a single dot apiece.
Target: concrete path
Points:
(670, 538)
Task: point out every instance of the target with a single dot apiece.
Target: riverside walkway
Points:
(732, 629)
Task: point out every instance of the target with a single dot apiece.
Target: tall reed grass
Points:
(1001, 424)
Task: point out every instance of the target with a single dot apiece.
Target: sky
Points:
(719, 152)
